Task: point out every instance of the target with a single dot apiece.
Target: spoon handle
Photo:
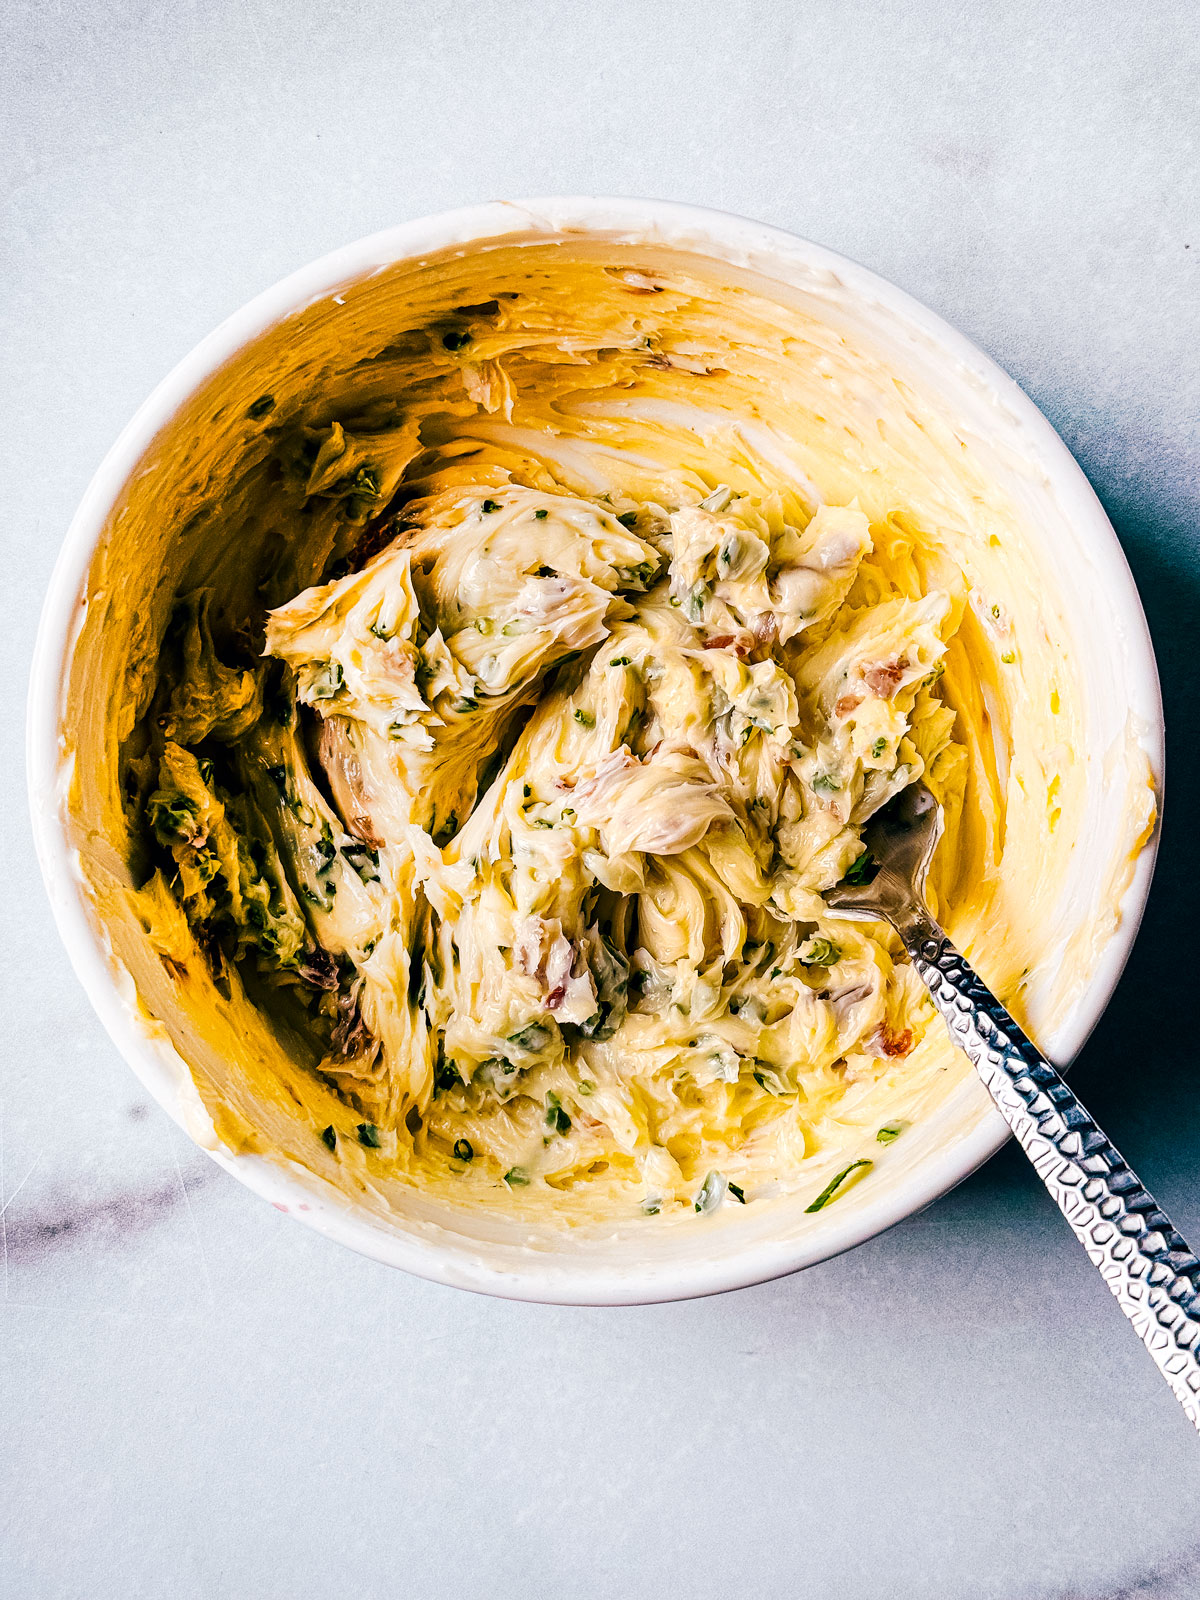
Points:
(1143, 1259)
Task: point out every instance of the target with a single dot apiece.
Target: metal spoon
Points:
(1143, 1259)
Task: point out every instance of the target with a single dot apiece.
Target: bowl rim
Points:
(723, 236)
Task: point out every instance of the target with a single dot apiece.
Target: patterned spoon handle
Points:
(1145, 1262)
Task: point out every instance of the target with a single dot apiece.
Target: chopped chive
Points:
(464, 1150)
(368, 1134)
(586, 1087)
(327, 682)
(737, 1193)
(541, 513)
(826, 782)
(712, 1192)
(862, 870)
(823, 953)
(585, 719)
(831, 1188)
(490, 505)
(619, 661)
(628, 519)
(878, 748)
(890, 1132)
(516, 1177)
(556, 1118)
(330, 1137)
(1009, 657)
(532, 1038)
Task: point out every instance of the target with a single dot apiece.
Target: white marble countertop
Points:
(204, 1400)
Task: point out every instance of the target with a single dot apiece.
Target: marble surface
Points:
(202, 1399)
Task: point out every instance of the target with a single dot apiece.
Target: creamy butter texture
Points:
(510, 685)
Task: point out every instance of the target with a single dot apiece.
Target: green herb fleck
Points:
(264, 403)
(738, 1194)
(490, 505)
(823, 953)
(1009, 657)
(878, 748)
(619, 661)
(651, 1205)
(464, 1150)
(862, 870)
(890, 1132)
(533, 1038)
(826, 782)
(628, 519)
(368, 1134)
(326, 850)
(541, 513)
(696, 600)
(834, 1184)
(728, 553)
(326, 684)
(556, 1118)
(483, 624)
(712, 1192)
(585, 719)
(516, 1177)
(586, 1087)
(365, 860)
(330, 1137)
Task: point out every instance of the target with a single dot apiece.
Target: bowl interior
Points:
(106, 613)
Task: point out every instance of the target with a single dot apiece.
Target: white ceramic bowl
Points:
(623, 1266)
